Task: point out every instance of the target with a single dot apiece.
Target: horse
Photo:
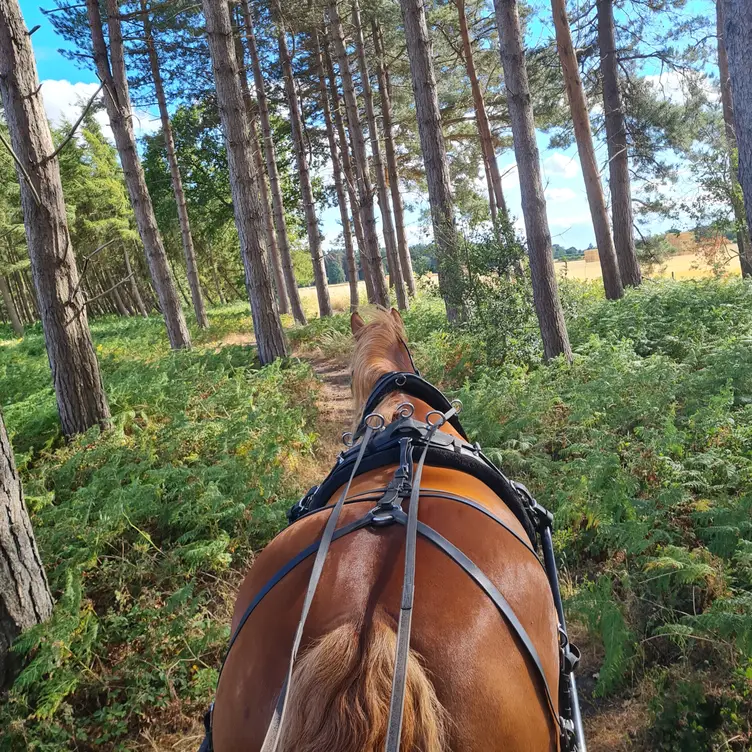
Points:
(470, 687)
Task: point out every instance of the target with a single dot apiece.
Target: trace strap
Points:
(271, 739)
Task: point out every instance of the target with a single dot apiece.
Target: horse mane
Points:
(371, 356)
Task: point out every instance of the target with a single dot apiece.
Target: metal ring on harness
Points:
(405, 410)
(347, 438)
(375, 421)
(440, 419)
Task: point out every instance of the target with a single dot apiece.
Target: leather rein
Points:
(398, 443)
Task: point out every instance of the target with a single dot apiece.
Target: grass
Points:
(642, 448)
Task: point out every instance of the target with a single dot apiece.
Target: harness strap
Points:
(271, 739)
(404, 625)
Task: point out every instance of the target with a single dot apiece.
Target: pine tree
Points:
(81, 400)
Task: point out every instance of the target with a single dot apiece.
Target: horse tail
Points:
(340, 693)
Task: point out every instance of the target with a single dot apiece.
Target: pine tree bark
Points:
(76, 377)
(370, 255)
(737, 202)
(434, 151)
(347, 169)
(304, 175)
(25, 598)
(396, 279)
(584, 137)
(545, 290)
(352, 274)
(618, 157)
(191, 265)
(275, 260)
(403, 248)
(270, 338)
(10, 307)
(135, 292)
(278, 208)
(111, 70)
(496, 195)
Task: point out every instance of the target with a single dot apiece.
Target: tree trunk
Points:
(584, 137)
(25, 598)
(275, 261)
(76, 377)
(352, 274)
(403, 248)
(737, 202)
(270, 337)
(20, 298)
(134, 286)
(618, 158)
(278, 208)
(111, 71)
(545, 290)
(370, 255)
(347, 170)
(10, 307)
(434, 151)
(496, 195)
(191, 266)
(304, 175)
(385, 208)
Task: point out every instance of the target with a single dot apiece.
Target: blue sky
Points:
(65, 86)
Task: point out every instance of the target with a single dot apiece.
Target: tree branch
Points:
(75, 127)
(22, 170)
(109, 289)
(86, 264)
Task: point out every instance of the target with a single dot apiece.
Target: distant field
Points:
(683, 266)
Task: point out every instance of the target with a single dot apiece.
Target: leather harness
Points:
(381, 445)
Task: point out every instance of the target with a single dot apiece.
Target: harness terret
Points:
(397, 443)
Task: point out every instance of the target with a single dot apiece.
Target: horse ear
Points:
(356, 322)
(395, 314)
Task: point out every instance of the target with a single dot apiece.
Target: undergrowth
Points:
(145, 529)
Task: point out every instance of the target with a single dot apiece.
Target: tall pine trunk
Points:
(352, 274)
(278, 208)
(618, 157)
(434, 151)
(496, 195)
(385, 207)
(584, 137)
(10, 306)
(403, 248)
(191, 266)
(737, 201)
(304, 175)
(25, 598)
(371, 259)
(81, 400)
(111, 71)
(275, 260)
(347, 168)
(545, 290)
(270, 338)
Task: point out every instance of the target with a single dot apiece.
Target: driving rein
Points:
(399, 443)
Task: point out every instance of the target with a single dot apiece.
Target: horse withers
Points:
(477, 678)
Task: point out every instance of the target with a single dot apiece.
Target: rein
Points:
(410, 435)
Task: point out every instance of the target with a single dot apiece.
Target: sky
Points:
(65, 86)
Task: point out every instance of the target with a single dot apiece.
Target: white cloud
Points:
(676, 86)
(64, 100)
(560, 194)
(574, 218)
(560, 164)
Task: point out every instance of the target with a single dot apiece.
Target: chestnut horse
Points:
(470, 688)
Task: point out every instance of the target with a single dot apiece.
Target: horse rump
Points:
(340, 693)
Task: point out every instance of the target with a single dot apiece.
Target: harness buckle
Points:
(539, 515)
